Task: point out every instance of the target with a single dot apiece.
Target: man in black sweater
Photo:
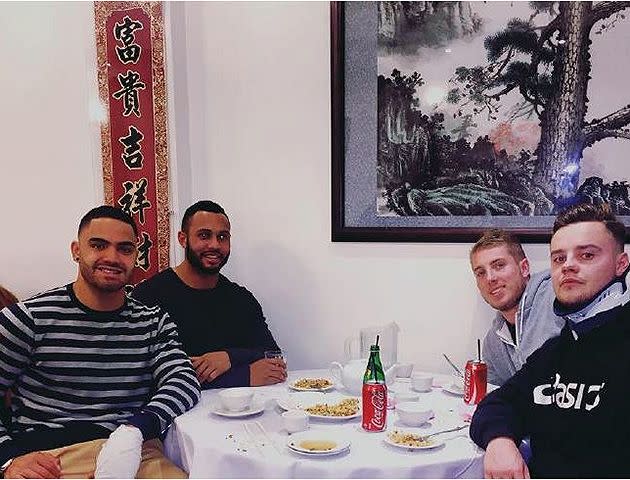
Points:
(572, 393)
(220, 323)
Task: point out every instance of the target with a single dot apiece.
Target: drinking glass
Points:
(274, 354)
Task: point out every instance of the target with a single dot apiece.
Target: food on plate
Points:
(318, 445)
(409, 439)
(312, 383)
(345, 408)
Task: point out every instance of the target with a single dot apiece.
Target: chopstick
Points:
(267, 437)
(457, 370)
(250, 436)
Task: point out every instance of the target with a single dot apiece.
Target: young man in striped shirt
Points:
(96, 376)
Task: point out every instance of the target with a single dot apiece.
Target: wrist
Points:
(501, 441)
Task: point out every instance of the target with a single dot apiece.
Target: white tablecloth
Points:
(210, 446)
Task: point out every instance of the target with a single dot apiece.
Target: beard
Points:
(197, 263)
(577, 301)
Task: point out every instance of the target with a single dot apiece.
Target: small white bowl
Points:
(403, 370)
(421, 382)
(295, 420)
(413, 414)
(236, 399)
(400, 397)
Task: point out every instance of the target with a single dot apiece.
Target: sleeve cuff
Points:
(148, 423)
(241, 356)
(496, 432)
(234, 377)
(9, 450)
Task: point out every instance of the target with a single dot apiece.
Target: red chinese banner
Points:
(130, 50)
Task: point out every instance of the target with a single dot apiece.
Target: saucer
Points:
(454, 390)
(252, 410)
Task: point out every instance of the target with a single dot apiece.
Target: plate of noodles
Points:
(342, 408)
(312, 385)
(411, 440)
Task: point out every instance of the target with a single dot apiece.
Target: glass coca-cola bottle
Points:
(374, 393)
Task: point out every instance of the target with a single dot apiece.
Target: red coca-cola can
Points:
(374, 407)
(475, 381)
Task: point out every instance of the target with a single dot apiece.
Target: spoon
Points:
(423, 438)
(457, 370)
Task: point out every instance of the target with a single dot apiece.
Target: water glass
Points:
(274, 354)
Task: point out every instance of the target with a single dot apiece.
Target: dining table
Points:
(208, 442)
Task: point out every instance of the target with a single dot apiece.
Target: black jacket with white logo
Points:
(572, 398)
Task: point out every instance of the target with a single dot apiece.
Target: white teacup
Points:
(295, 420)
(421, 382)
(236, 399)
(413, 414)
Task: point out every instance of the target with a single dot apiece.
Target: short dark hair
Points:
(201, 206)
(107, 211)
(586, 212)
(496, 237)
(6, 298)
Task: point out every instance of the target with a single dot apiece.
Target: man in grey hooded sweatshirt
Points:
(525, 318)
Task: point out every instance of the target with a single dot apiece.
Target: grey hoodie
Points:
(536, 322)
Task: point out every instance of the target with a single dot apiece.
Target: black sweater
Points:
(226, 317)
(571, 397)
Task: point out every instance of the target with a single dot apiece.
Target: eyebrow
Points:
(102, 240)
(579, 247)
(204, 230)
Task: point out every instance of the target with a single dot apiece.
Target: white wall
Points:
(50, 166)
(251, 119)
(259, 116)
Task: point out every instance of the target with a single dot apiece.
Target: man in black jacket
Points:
(572, 393)
(220, 323)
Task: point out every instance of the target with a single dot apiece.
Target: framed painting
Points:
(452, 117)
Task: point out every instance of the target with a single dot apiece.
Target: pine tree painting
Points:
(502, 108)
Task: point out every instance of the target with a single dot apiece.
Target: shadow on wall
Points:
(284, 288)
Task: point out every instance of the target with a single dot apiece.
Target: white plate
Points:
(302, 400)
(454, 389)
(342, 445)
(324, 454)
(252, 410)
(303, 389)
(334, 418)
(435, 442)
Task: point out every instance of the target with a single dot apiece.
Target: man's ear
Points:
(524, 265)
(74, 250)
(181, 238)
(622, 263)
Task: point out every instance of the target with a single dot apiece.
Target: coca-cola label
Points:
(475, 382)
(374, 407)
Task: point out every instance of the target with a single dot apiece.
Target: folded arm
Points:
(242, 358)
(177, 387)
(500, 422)
(17, 340)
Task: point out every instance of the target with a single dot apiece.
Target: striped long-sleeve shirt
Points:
(72, 367)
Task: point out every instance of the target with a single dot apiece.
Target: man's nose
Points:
(569, 264)
(213, 241)
(111, 254)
